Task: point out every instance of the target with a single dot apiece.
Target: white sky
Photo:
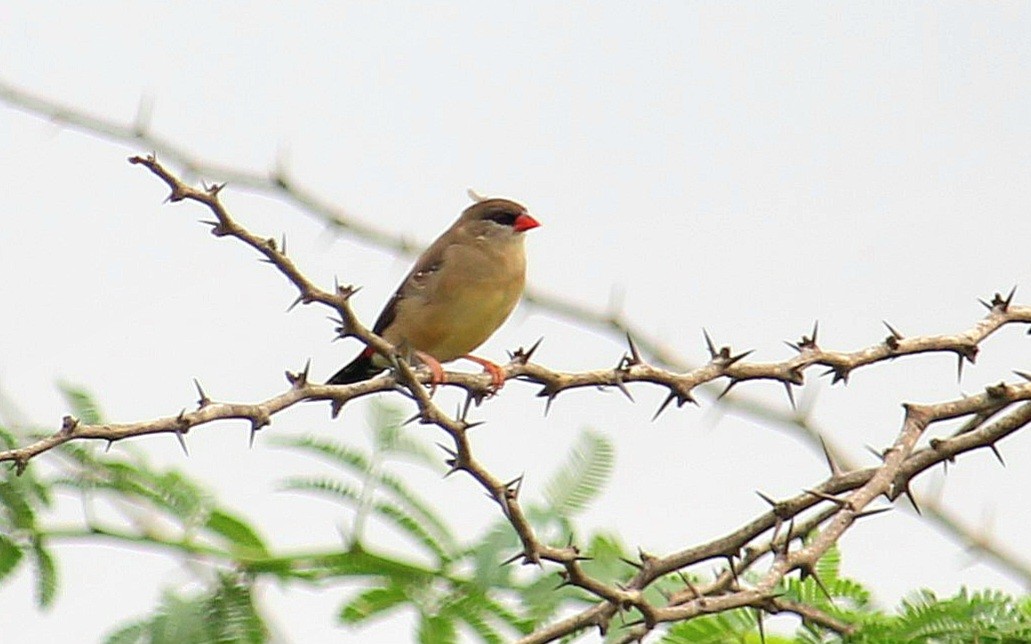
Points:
(744, 167)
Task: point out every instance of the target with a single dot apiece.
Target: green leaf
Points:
(18, 513)
(437, 629)
(419, 509)
(373, 602)
(46, 574)
(231, 614)
(584, 474)
(336, 453)
(134, 633)
(83, 405)
(240, 535)
(10, 556)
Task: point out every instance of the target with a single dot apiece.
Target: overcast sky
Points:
(749, 168)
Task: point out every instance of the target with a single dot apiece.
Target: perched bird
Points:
(457, 295)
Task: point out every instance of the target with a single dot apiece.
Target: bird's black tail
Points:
(361, 368)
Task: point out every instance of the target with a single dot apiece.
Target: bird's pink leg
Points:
(437, 376)
(497, 374)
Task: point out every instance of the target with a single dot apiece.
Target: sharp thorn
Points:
(998, 455)
(835, 468)
(202, 400)
(912, 499)
(726, 390)
(894, 333)
(182, 442)
(709, 344)
(870, 513)
(622, 387)
(1009, 298)
(791, 395)
(741, 356)
(664, 404)
(635, 355)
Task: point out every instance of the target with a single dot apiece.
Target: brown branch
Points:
(277, 183)
(901, 461)
(723, 364)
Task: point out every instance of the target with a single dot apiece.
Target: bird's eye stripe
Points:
(503, 217)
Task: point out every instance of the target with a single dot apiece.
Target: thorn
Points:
(840, 372)
(411, 419)
(879, 455)
(841, 503)
(959, 367)
(635, 354)
(256, 425)
(709, 345)
(894, 333)
(469, 399)
(912, 499)
(550, 392)
(791, 395)
(631, 562)
(767, 499)
(995, 450)
(450, 452)
(1009, 299)
(522, 356)
(731, 360)
(985, 304)
(565, 581)
(733, 570)
(835, 468)
(511, 559)
(346, 291)
(513, 487)
(806, 570)
(181, 436)
(202, 400)
(870, 513)
(726, 390)
(1024, 375)
(298, 380)
(759, 624)
(299, 300)
(334, 408)
(622, 387)
(107, 448)
(673, 395)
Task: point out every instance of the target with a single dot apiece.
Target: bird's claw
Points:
(497, 374)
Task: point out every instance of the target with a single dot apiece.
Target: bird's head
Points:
(499, 217)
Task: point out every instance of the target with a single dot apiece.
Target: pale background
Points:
(744, 167)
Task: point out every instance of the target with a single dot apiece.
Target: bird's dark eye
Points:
(502, 216)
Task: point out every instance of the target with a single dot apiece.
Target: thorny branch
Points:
(277, 182)
(816, 518)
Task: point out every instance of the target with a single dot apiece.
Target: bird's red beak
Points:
(524, 222)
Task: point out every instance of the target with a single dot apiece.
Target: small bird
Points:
(460, 290)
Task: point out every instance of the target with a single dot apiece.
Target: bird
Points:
(460, 290)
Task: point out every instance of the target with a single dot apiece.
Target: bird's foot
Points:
(497, 374)
(437, 376)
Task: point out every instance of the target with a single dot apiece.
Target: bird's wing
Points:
(428, 264)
